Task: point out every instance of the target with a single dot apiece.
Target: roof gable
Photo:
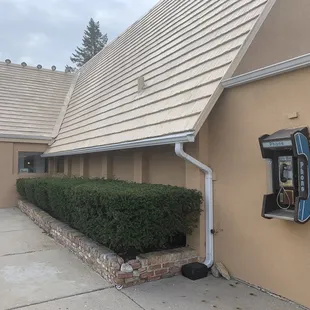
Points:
(182, 49)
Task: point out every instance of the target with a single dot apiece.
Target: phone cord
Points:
(288, 198)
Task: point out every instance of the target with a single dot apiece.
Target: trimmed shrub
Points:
(118, 214)
(20, 187)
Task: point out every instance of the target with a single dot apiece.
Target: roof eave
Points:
(34, 139)
(184, 137)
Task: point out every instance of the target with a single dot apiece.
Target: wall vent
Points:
(141, 83)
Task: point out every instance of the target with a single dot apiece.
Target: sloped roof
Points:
(31, 100)
(183, 49)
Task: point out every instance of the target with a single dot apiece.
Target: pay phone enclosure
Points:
(288, 150)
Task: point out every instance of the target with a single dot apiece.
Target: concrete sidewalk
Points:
(38, 274)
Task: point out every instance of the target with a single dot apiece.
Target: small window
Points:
(32, 162)
(60, 162)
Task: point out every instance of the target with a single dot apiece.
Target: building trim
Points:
(269, 71)
(164, 140)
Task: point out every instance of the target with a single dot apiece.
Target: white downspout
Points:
(179, 150)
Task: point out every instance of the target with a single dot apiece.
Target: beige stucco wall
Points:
(123, 168)
(95, 163)
(161, 161)
(9, 169)
(273, 254)
(284, 35)
(127, 165)
(75, 166)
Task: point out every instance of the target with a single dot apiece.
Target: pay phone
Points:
(287, 152)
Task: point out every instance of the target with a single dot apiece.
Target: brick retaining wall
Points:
(146, 267)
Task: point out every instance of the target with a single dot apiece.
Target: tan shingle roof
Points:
(30, 100)
(181, 48)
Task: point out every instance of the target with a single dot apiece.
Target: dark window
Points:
(60, 162)
(31, 162)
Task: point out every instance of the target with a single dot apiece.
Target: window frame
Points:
(25, 154)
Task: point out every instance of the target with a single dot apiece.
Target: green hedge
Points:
(118, 214)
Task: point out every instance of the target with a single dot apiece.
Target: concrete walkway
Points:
(38, 274)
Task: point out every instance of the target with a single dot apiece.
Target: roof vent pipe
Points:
(24, 64)
(8, 61)
(39, 67)
(179, 150)
(141, 83)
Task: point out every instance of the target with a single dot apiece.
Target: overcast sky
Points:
(47, 31)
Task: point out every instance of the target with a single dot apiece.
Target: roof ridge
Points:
(8, 63)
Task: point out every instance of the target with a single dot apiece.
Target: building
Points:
(31, 102)
(191, 85)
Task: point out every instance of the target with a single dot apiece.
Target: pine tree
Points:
(70, 69)
(93, 42)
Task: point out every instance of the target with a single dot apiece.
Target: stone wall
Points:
(146, 267)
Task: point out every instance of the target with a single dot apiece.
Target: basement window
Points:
(32, 162)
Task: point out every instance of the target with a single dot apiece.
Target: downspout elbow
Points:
(179, 150)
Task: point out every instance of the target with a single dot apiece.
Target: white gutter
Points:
(208, 201)
(184, 137)
(269, 71)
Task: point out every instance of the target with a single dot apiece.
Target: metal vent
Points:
(141, 83)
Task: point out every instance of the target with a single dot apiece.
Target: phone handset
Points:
(285, 176)
(283, 172)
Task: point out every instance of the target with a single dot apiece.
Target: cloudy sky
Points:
(47, 31)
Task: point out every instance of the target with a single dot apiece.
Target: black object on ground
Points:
(195, 271)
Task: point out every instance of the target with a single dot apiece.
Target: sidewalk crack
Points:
(60, 298)
(132, 300)
(21, 253)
